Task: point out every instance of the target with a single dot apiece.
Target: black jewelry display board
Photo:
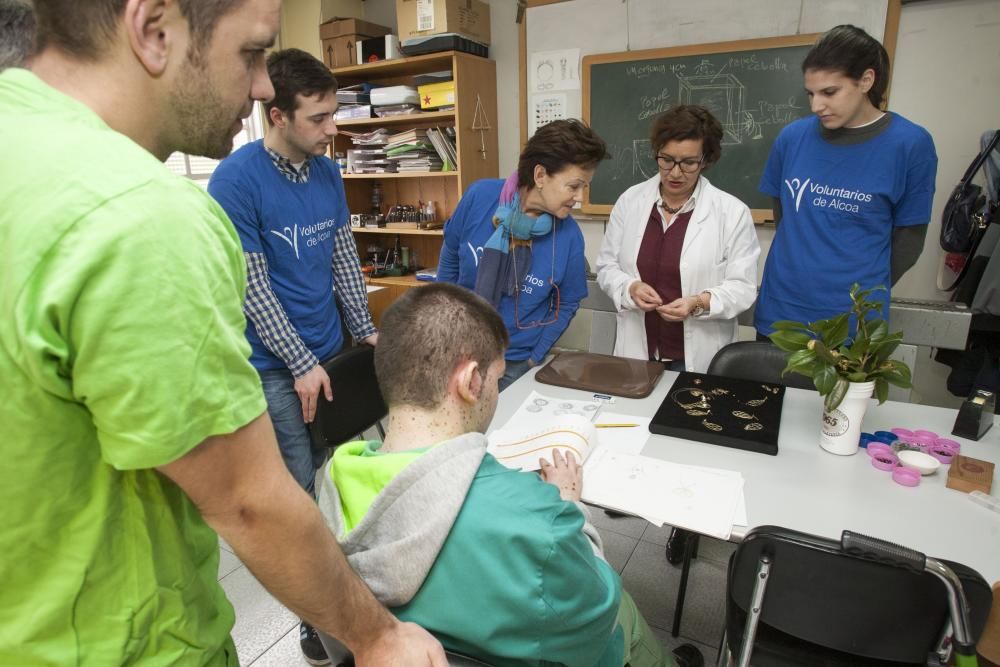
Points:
(743, 414)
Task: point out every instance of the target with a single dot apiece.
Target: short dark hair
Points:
(84, 28)
(688, 121)
(17, 32)
(425, 333)
(850, 50)
(557, 145)
(294, 72)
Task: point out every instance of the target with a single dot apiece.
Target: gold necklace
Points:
(697, 408)
(701, 406)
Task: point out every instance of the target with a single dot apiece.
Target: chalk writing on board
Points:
(654, 105)
(717, 90)
(753, 92)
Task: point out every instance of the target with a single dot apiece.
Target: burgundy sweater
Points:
(659, 266)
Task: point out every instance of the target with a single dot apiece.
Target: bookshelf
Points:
(475, 85)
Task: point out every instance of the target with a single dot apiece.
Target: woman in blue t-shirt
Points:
(852, 187)
(515, 243)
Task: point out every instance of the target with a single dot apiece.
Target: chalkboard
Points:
(754, 87)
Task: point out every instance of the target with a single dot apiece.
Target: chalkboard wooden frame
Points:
(759, 215)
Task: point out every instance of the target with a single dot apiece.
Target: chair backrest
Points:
(762, 361)
(357, 400)
(824, 604)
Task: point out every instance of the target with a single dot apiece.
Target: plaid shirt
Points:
(268, 316)
(287, 168)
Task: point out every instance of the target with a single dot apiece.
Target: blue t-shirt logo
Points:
(291, 237)
(797, 189)
(477, 252)
(824, 196)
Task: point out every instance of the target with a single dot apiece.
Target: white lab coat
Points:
(719, 256)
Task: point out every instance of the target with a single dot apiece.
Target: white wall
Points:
(382, 12)
(947, 79)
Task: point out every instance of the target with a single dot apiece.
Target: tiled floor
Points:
(266, 634)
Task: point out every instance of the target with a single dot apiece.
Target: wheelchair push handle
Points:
(882, 550)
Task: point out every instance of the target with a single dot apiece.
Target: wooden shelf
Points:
(410, 174)
(411, 66)
(475, 88)
(402, 119)
(398, 231)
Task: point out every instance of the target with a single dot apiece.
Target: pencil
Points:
(615, 425)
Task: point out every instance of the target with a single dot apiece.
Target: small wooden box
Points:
(968, 474)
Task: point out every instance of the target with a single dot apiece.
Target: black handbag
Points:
(967, 213)
(963, 220)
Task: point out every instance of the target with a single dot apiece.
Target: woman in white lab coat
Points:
(679, 257)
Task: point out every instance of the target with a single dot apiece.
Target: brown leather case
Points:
(629, 378)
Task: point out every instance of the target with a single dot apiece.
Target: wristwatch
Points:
(699, 306)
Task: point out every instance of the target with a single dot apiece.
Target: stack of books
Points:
(412, 151)
(444, 144)
(356, 94)
(352, 111)
(355, 102)
(369, 153)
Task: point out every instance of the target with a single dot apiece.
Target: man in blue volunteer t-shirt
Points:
(286, 200)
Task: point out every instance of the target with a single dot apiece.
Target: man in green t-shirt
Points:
(132, 423)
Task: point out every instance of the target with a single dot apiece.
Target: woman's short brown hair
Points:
(688, 121)
(558, 145)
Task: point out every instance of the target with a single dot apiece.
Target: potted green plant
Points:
(845, 368)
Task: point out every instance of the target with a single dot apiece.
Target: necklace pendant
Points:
(710, 425)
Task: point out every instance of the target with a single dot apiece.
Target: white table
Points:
(807, 489)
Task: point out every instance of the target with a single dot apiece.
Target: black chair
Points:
(762, 361)
(341, 657)
(357, 400)
(798, 599)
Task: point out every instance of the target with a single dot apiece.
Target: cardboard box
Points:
(420, 18)
(433, 95)
(341, 36)
(374, 49)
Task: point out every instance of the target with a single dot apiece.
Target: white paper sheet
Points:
(539, 409)
(522, 448)
(704, 500)
(554, 70)
(545, 108)
(624, 440)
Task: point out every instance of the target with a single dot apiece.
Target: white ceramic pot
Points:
(841, 429)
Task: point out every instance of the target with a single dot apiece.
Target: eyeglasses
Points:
(688, 165)
(554, 297)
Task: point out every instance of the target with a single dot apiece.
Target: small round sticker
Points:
(835, 423)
